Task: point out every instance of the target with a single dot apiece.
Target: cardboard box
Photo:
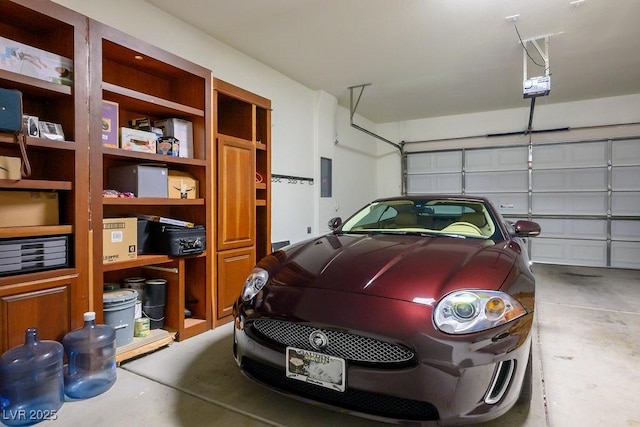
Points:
(141, 180)
(182, 185)
(138, 140)
(33, 62)
(110, 124)
(180, 129)
(119, 239)
(28, 208)
(10, 168)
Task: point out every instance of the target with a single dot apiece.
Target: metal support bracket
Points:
(544, 54)
(352, 109)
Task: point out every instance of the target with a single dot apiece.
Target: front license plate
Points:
(316, 368)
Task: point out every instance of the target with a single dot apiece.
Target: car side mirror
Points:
(334, 223)
(524, 228)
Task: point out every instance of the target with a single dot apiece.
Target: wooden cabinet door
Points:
(233, 268)
(236, 193)
(47, 309)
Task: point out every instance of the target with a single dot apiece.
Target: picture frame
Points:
(51, 130)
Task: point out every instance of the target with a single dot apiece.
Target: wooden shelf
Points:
(35, 86)
(147, 103)
(150, 201)
(34, 231)
(34, 184)
(117, 153)
(157, 339)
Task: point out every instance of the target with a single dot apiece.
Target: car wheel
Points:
(524, 399)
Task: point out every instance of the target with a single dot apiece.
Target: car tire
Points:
(524, 399)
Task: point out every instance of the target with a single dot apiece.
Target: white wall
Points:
(355, 165)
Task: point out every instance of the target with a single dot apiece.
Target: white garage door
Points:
(585, 195)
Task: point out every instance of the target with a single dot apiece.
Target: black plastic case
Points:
(177, 241)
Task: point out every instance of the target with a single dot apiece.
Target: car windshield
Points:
(459, 218)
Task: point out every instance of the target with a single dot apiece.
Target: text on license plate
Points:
(316, 368)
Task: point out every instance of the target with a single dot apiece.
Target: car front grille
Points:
(354, 348)
(351, 399)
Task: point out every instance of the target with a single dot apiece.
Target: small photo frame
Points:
(51, 130)
(31, 125)
(110, 124)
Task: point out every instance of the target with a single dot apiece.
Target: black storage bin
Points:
(144, 237)
(176, 241)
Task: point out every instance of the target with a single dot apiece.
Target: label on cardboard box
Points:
(119, 239)
(138, 140)
(182, 185)
(28, 208)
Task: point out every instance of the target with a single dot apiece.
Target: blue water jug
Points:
(31, 381)
(91, 356)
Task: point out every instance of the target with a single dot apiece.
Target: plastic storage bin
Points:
(31, 381)
(119, 313)
(91, 356)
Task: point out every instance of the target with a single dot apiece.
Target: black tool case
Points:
(177, 241)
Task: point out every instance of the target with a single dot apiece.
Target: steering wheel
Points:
(462, 227)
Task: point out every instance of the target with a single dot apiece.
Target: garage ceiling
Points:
(428, 58)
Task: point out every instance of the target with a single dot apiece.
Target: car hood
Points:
(411, 268)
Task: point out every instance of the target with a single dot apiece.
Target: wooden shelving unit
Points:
(230, 159)
(243, 141)
(51, 300)
(146, 81)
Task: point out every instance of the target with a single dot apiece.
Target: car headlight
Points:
(255, 282)
(467, 311)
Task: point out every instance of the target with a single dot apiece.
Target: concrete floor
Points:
(586, 370)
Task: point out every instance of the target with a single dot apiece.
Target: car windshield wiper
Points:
(407, 233)
(455, 236)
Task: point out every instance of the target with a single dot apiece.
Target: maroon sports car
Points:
(415, 310)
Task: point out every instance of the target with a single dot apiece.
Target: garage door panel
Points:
(585, 154)
(627, 203)
(625, 178)
(438, 162)
(587, 203)
(626, 153)
(567, 251)
(434, 183)
(496, 181)
(498, 159)
(573, 228)
(584, 194)
(570, 179)
(625, 254)
(625, 230)
(507, 203)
